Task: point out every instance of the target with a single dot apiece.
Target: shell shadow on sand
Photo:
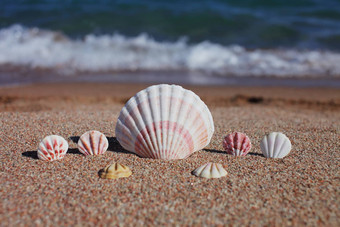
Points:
(223, 152)
(31, 154)
(255, 154)
(115, 146)
(74, 150)
(74, 139)
(214, 151)
(34, 154)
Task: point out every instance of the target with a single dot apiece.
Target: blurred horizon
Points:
(305, 24)
(250, 38)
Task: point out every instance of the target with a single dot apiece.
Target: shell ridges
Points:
(275, 145)
(52, 148)
(237, 144)
(93, 143)
(164, 122)
(115, 171)
(210, 170)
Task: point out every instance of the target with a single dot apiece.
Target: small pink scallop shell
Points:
(237, 144)
(52, 148)
(93, 143)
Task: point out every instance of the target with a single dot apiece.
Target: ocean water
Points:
(192, 41)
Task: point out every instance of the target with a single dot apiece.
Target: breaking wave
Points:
(37, 48)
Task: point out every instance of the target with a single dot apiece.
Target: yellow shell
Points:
(115, 171)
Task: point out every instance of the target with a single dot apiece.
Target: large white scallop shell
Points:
(52, 148)
(210, 170)
(165, 122)
(275, 145)
(93, 143)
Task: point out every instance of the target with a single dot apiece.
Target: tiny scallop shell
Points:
(275, 145)
(115, 171)
(52, 148)
(237, 144)
(93, 143)
(210, 170)
(164, 122)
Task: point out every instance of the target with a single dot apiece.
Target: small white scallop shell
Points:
(93, 143)
(275, 145)
(52, 148)
(210, 170)
(165, 122)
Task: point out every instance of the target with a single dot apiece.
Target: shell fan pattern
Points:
(210, 170)
(115, 171)
(237, 144)
(275, 145)
(164, 122)
(93, 143)
(52, 148)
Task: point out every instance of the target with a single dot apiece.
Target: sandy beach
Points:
(301, 189)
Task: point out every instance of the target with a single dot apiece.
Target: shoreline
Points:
(21, 97)
(23, 76)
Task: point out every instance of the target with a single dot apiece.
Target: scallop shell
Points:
(115, 171)
(210, 170)
(275, 145)
(52, 148)
(237, 144)
(164, 122)
(93, 143)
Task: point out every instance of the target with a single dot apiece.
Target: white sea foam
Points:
(38, 48)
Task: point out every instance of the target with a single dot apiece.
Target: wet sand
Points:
(301, 189)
